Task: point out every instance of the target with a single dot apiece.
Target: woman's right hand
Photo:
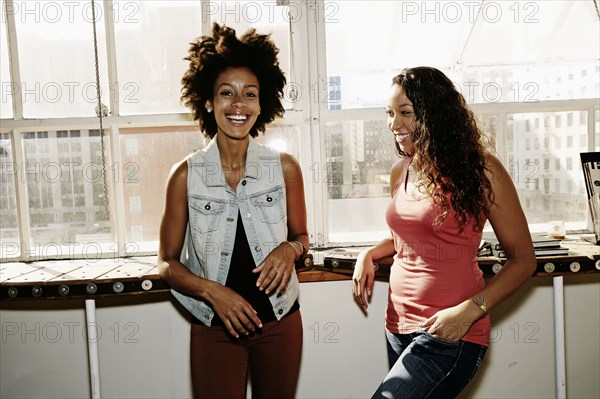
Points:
(236, 313)
(363, 279)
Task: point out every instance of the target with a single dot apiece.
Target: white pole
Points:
(92, 341)
(559, 337)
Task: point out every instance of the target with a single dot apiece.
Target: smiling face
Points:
(235, 102)
(400, 118)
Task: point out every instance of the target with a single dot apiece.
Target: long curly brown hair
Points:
(208, 56)
(450, 153)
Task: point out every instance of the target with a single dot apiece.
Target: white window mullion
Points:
(116, 180)
(501, 136)
(591, 131)
(314, 69)
(205, 29)
(300, 113)
(111, 56)
(23, 220)
(13, 55)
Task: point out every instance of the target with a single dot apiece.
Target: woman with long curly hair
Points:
(234, 223)
(444, 189)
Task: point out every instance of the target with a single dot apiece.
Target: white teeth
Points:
(239, 118)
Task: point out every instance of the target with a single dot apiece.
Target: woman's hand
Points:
(236, 313)
(277, 268)
(363, 279)
(451, 324)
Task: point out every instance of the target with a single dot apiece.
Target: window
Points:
(149, 82)
(52, 85)
(82, 185)
(60, 170)
(526, 171)
(135, 205)
(9, 171)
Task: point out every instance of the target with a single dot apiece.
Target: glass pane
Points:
(494, 51)
(49, 35)
(487, 124)
(145, 169)
(8, 87)
(9, 234)
(144, 180)
(597, 130)
(150, 81)
(284, 138)
(266, 17)
(66, 193)
(543, 159)
(359, 156)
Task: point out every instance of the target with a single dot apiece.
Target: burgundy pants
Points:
(220, 362)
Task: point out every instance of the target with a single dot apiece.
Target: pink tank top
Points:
(432, 269)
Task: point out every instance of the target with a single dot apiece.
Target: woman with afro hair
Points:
(234, 223)
(444, 189)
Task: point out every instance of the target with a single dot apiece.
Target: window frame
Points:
(309, 113)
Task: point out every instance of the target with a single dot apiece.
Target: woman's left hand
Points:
(276, 270)
(451, 324)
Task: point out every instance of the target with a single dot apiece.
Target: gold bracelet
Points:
(292, 245)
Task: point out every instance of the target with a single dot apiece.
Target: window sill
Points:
(133, 276)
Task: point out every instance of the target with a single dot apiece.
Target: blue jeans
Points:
(422, 366)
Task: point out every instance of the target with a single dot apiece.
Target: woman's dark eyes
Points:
(227, 93)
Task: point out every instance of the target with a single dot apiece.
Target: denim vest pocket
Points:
(208, 215)
(270, 205)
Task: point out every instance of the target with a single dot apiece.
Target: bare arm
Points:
(510, 226)
(363, 277)
(172, 233)
(235, 311)
(277, 268)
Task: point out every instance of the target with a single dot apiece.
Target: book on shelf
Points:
(590, 165)
(539, 252)
(539, 241)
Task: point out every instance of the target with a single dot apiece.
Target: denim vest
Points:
(213, 210)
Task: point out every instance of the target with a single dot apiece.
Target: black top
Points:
(241, 279)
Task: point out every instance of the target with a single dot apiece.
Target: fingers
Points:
(358, 289)
(273, 275)
(243, 322)
(369, 283)
(429, 322)
(266, 275)
(276, 279)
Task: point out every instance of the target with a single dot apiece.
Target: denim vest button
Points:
(280, 311)
(207, 207)
(269, 199)
(243, 182)
(247, 215)
(257, 248)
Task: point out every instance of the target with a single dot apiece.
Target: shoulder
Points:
(494, 169)
(179, 173)
(396, 173)
(397, 167)
(288, 160)
(292, 173)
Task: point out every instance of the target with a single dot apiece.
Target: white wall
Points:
(144, 345)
